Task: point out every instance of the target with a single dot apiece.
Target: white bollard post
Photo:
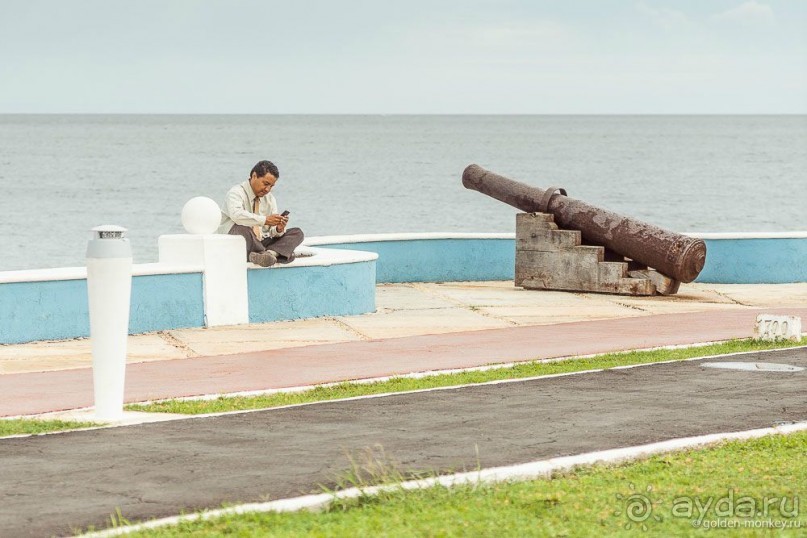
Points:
(109, 290)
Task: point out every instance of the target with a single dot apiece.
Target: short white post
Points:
(109, 290)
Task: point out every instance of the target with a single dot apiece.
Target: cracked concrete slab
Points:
(67, 354)
(560, 314)
(417, 322)
(256, 337)
(495, 294)
(405, 296)
(762, 294)
(674, 307)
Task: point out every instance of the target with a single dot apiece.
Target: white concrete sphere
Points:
(201, 216)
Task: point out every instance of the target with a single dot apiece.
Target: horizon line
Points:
(403, 113)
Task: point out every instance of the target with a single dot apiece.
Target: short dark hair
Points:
(265, 167)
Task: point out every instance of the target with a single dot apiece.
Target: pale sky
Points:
(404, 57)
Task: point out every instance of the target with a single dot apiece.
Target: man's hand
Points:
(278, 221)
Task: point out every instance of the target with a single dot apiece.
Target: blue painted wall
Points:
(306, 292)
(52, 310)
(57, 310)
(440, 260)
(728, 261)
(162, 302)
(755, 261)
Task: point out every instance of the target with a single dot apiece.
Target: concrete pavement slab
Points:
(477, 294)
(54, 484)
(403, 323)
(676, 307)
(693, 293)
(761, 294)
(525, 315)
(407, 297)
(66, 354)
(689, 299)
(259, 336)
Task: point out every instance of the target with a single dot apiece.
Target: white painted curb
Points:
(526, 471)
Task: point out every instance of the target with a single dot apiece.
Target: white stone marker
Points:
(109, 290)
(770, 327)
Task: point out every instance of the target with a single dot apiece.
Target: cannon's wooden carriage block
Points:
(550, 258)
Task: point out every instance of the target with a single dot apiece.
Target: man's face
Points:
(262, 185)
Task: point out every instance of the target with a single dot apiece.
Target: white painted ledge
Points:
(323, 257)
(750, 235)
(80, 273)
(143, 269)
(320, 256)
(370, 238)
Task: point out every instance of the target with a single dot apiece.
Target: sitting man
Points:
(250, 211)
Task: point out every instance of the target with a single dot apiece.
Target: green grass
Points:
(401, 384)
(591, 501)
(22, 426)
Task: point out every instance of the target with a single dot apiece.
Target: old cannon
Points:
(675, 256)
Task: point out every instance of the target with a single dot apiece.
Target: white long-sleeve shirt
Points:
(237, 209)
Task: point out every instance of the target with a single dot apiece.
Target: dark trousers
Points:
(283, 245)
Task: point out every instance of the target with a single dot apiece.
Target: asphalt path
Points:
(56, 484)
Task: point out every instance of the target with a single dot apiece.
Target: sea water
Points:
(61, 175)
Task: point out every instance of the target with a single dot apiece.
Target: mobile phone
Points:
(285, 213)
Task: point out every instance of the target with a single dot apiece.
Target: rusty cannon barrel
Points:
(674, 255)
